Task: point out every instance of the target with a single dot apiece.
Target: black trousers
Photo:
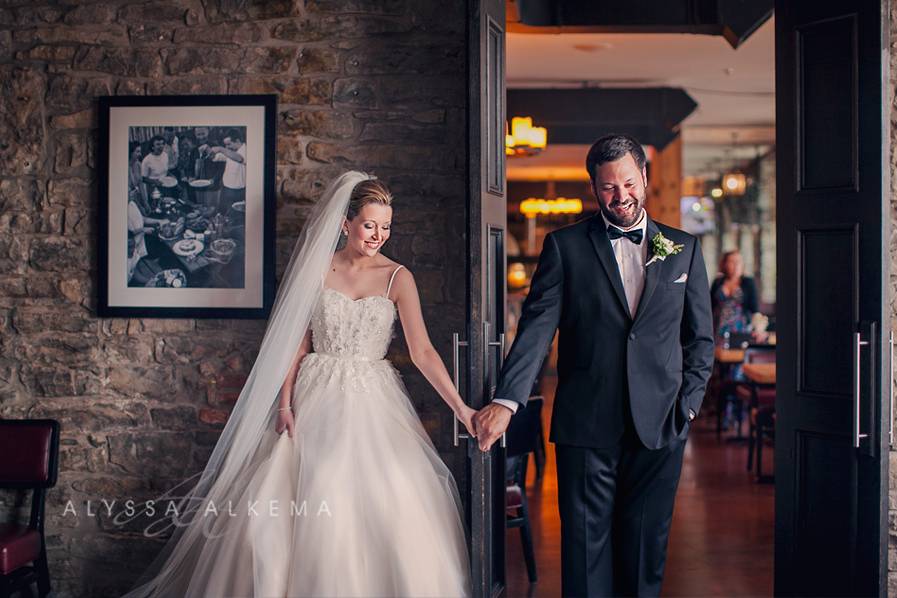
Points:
(616, 505)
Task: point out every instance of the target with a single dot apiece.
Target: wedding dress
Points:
(357, 502)
(381, 510)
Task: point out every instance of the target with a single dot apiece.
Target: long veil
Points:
(253, 413)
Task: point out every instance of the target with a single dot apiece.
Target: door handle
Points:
(487, 344)
(457, 343)
(858, 344)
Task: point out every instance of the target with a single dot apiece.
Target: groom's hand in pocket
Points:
(491, 422)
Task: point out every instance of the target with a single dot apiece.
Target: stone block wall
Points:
(369, 84)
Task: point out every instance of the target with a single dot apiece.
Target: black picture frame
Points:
(140, 115)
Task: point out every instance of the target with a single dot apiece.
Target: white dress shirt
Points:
(631, 259)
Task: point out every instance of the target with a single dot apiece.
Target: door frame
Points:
(486, 262)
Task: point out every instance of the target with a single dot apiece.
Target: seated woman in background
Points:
(733, 297)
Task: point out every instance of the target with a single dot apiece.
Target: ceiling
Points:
(734, 89)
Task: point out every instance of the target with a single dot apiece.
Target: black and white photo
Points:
(188, 189)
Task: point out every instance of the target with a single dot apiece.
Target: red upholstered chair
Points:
(29, 459)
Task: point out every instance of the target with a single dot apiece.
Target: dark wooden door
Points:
(832, 311)
(487, 220)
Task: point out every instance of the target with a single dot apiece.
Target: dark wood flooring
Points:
(721, 543)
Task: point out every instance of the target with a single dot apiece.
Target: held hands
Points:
(491, 422)
(284, 421)
(466, 416)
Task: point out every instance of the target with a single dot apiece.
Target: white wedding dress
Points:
(381, 510)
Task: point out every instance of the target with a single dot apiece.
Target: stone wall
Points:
(370, 84)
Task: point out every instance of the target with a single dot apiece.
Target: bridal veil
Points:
(254, 412)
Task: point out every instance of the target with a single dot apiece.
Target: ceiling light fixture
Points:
(533, 206)
(525, 139)
(734, 182)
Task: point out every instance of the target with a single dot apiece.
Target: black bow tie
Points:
(635, 235)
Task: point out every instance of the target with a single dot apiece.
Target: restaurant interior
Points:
(706, 116)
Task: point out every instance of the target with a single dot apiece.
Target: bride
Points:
(353, 499)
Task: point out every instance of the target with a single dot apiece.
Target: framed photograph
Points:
(187, 206)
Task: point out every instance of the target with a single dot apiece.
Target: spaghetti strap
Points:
(392, 278)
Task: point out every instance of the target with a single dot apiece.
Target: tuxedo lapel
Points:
(652, 272)
(598, 236)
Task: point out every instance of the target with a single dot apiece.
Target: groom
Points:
(631, 301)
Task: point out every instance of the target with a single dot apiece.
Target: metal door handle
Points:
(858, 343)
(891, 391)
(487, 344)
(457, 343)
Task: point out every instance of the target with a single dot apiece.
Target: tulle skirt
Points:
(357, 503)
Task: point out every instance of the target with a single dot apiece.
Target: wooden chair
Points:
(29, 460)
(522, 439)
(762, 405)
(763, 420)
(539, 455)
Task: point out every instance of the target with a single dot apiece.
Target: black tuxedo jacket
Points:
(660, 360)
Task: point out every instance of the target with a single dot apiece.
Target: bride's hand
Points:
(285, 422)
(465, 414)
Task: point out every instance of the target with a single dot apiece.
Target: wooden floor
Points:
(721, 543)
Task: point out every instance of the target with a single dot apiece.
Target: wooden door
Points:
(832, 314)
(487, 223)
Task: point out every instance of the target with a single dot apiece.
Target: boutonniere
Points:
(662, 248)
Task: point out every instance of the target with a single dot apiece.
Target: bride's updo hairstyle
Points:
(368, 192)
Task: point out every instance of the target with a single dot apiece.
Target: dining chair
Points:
(764, 422)
(539, 455)
(761, 401)
(29, 460)
(521, 440)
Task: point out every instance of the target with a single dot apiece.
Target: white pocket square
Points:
(682, 277)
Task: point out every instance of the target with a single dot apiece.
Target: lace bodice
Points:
(359, 329)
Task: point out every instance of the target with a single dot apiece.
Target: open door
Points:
(833, 314)
(486, 229)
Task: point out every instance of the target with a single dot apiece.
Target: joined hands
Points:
(491, 422)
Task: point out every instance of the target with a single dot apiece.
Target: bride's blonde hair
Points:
(367, 192)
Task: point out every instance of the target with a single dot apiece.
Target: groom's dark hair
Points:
(611, 148)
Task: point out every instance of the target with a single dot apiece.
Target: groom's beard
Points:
(624, 218)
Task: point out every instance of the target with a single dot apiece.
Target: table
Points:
(728, 356)
(193, 264)
(763, 374)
